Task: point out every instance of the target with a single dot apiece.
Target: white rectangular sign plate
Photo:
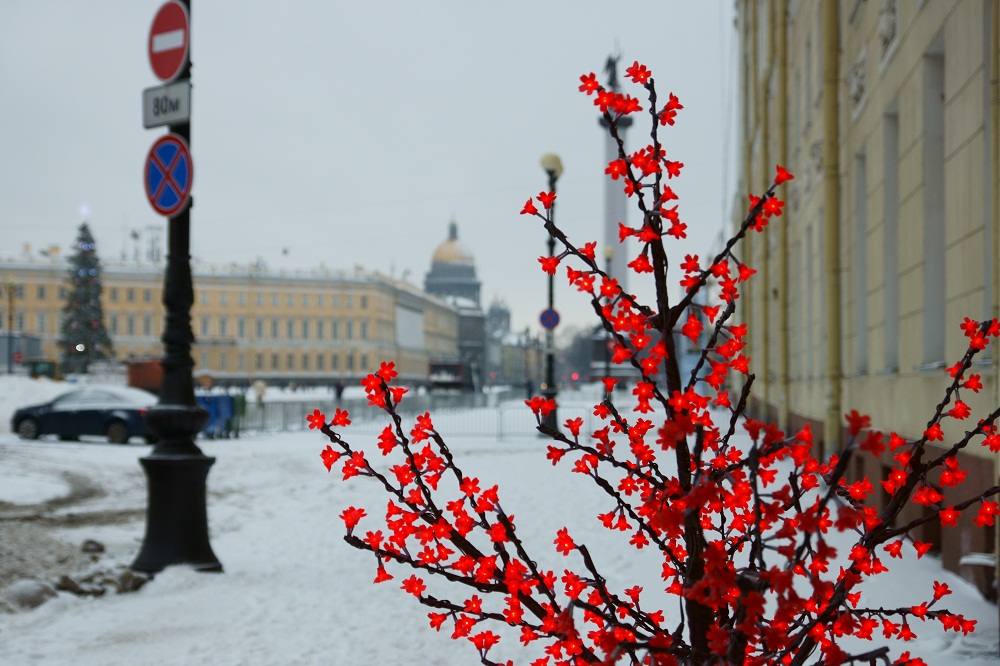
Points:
(167, 105)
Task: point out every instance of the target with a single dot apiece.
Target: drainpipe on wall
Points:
(753, 126)
(831, 219)
(994, 10)
(782, 37)
(765, 240)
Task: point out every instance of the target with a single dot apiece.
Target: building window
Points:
(291, 362)
(147, 325)
(319, 361)
(259, 362)
(364, 330)
(204, 298)
(223, 325)
(130, 325)
(274, 329)
(130, 295)
(40, 323)
(305, 361)
(147, 295)
(113, 324)
(320, 329)
(204, 359)
(20, 321)
(305, 300)
(305, 328)
(223, 298)
(63, 293)
(204, 324)
(242, 298)
(349, 330)
(290, 328)
(350, 361)
(364, 302)
(890, 239)
(350, 302)
(241, 359)
(274, 300)
(258, 328)
(113, 294)
(861, 261)
(364, 362)
(335, 329)
(274, 361)
(260, 298)
(41, 292)
(241, 328)
(290, 300)
(334, 362)
(335, 301)
(223, 361)
(319, 300)
(934, 207)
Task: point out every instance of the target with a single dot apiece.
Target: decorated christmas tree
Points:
(83, 337)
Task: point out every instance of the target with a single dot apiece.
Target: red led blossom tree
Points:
(741, 527)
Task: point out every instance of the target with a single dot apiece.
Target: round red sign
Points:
(169, 41)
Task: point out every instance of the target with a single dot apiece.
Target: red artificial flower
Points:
(329, 457)
(782, 176)
(340, 418)
(857, 422)
(638, 73)
(949, 517)
(617, 169)
(414, 586)
(529, 208)
(564, 543)
(316, 420)
(387, 371)
(589, 84)
(351, 516)
(549, 264)
(546, 199)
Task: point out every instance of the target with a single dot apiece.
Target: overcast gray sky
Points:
(350, 133)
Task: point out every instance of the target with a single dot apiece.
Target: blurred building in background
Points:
(882, 109)
(316, 326)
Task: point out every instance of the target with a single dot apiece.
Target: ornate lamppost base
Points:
(176, 471)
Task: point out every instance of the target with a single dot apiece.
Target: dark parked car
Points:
(113, 411)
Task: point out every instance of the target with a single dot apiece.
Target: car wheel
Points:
(28, 429)
(117, 432)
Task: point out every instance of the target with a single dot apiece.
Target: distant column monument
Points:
(615, 201)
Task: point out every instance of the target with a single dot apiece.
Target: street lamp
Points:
(11, 288)
(553, 167)
(176, 469)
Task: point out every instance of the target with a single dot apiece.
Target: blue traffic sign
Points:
(169, 172)
(549, 318)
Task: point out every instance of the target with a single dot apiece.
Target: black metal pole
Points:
(552, 420)
(176, 469)
(10, 328)
(608, 255)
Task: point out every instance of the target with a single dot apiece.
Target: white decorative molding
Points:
(857, 82)
(888, 31)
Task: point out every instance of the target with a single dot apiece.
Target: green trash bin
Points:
(239, 413)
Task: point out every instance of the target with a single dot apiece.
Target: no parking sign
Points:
(169, 172)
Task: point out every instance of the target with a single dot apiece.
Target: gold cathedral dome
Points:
(451, 251)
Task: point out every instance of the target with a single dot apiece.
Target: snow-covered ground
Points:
(293, 592)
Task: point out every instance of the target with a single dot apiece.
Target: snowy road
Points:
(292, 591)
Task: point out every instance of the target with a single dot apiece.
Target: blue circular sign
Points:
(549, 318)
(169, 172)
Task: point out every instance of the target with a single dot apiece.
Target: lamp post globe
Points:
(553, 167)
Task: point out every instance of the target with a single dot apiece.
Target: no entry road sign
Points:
(169, 41)
(169, 172)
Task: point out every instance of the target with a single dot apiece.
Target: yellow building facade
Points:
(886, 112)
(308, 326)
